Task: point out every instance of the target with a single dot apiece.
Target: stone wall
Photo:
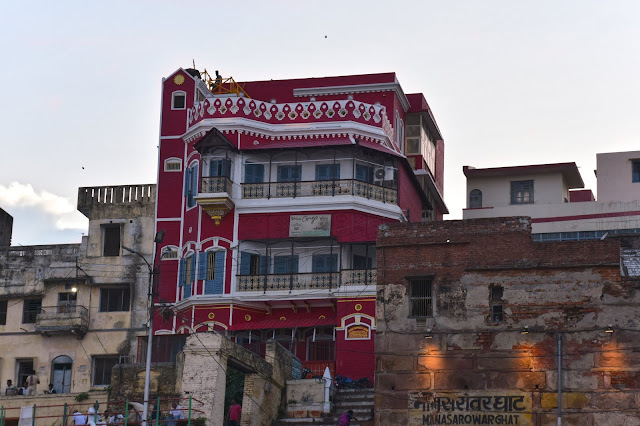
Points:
(571, 289)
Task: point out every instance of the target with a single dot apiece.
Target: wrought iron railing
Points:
(328, 188)
(306, 281)
(63, 318)
(212, 185)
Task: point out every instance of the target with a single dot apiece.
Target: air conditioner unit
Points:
(378, 175)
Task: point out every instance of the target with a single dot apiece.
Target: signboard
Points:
(312, 225)
(358, 332)
(470, 408)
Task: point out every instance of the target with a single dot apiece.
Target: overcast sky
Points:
(510, 82)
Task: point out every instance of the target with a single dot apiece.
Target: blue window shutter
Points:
(186, 291)
(195, 180)
(188, 178)
(283, 175)
(294, 264)
(280, 264)
(254, 173)
(245, 263)
(193, 269)
(181, 273)
(226, 168)
(218, 282)
(213, 168)
(264, 265)
(318, 264)
(334, 171)
(297, 170)
(361, 172)
(334, 262)
(322, 172)
(202, 266)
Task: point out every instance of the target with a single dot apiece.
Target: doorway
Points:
(234, 389)
(25, 367)
(61, 374)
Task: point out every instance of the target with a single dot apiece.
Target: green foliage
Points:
(200, 421)
(82, 396)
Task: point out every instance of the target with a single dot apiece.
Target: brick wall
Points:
(570, 288)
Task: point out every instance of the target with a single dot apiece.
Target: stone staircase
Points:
(358, 400)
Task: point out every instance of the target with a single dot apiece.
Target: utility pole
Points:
(153, 273)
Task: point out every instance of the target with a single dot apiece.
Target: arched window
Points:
(61, 374)
(475, 199)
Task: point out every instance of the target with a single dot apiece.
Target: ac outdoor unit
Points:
(378, 175)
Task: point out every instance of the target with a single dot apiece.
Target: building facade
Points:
(6, 228)
(71, 312)
(271, 194)
(553, 195)
(479, 324)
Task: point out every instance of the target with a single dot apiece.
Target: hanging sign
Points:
(312, 225)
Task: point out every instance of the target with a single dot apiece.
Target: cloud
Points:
(60, 209)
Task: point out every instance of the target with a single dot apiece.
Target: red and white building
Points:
(271, 194)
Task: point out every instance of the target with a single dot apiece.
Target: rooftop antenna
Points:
(194, 63)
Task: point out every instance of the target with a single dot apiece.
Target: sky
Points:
(509, 82)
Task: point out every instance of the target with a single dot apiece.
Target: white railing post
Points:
(326, 408)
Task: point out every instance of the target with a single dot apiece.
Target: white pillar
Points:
(326, 408)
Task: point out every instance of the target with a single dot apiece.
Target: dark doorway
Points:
(234, 388)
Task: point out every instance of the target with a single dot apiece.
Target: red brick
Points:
(461, 381)
(445, 362)
(501, 363)
(517, 380)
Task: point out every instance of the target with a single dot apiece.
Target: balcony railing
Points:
(63, 319)
(327, 188)
(306, 281)
(212, 185)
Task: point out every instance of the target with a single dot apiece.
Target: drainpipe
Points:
(326, 408)
(559, 379)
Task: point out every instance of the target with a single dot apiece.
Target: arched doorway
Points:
(61, 374)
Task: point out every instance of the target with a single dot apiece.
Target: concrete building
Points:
(479, 324)
(71, 312)
(6, 228)
(271, 193)
(553, 196)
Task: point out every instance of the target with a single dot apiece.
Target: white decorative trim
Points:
(356, 88)
(301, 204)
(174, 160)
(173, 97)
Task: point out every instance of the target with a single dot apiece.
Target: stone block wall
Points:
(476, 369)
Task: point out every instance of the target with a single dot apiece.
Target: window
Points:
(220, 167)
(178, 100)
(475, 199)
(325, 263)
(3, 312)
(253, 264)
(253, 173)
(289, 173)
(420, 297)
(111, 235)
(191, 185)
(364, 173)
(327, 171)
(635, 174)
(211, 270)
(102, 367)
(172, 165)
(362, 262)
(25, 367)
(114, 299)
(30, 310)
(187, 274)
(522, 192)
(496, 303)
(67, 302)
(285, 264)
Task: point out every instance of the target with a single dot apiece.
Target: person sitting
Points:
(11, 390)
(51, 390)
(79, 418)
(174, 414)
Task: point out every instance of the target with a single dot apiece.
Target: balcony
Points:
(306, 281)
(330, 188)
(215, 197)
(63, 319)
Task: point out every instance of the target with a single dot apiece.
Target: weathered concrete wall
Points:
(206, 359)
(571, 288)
(127, 381)
(44, 272)
(305, 398)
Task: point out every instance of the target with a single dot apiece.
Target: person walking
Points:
(235, 411)
(345, 418)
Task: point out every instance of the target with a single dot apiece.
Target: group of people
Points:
(29, 387)
(94, 418)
